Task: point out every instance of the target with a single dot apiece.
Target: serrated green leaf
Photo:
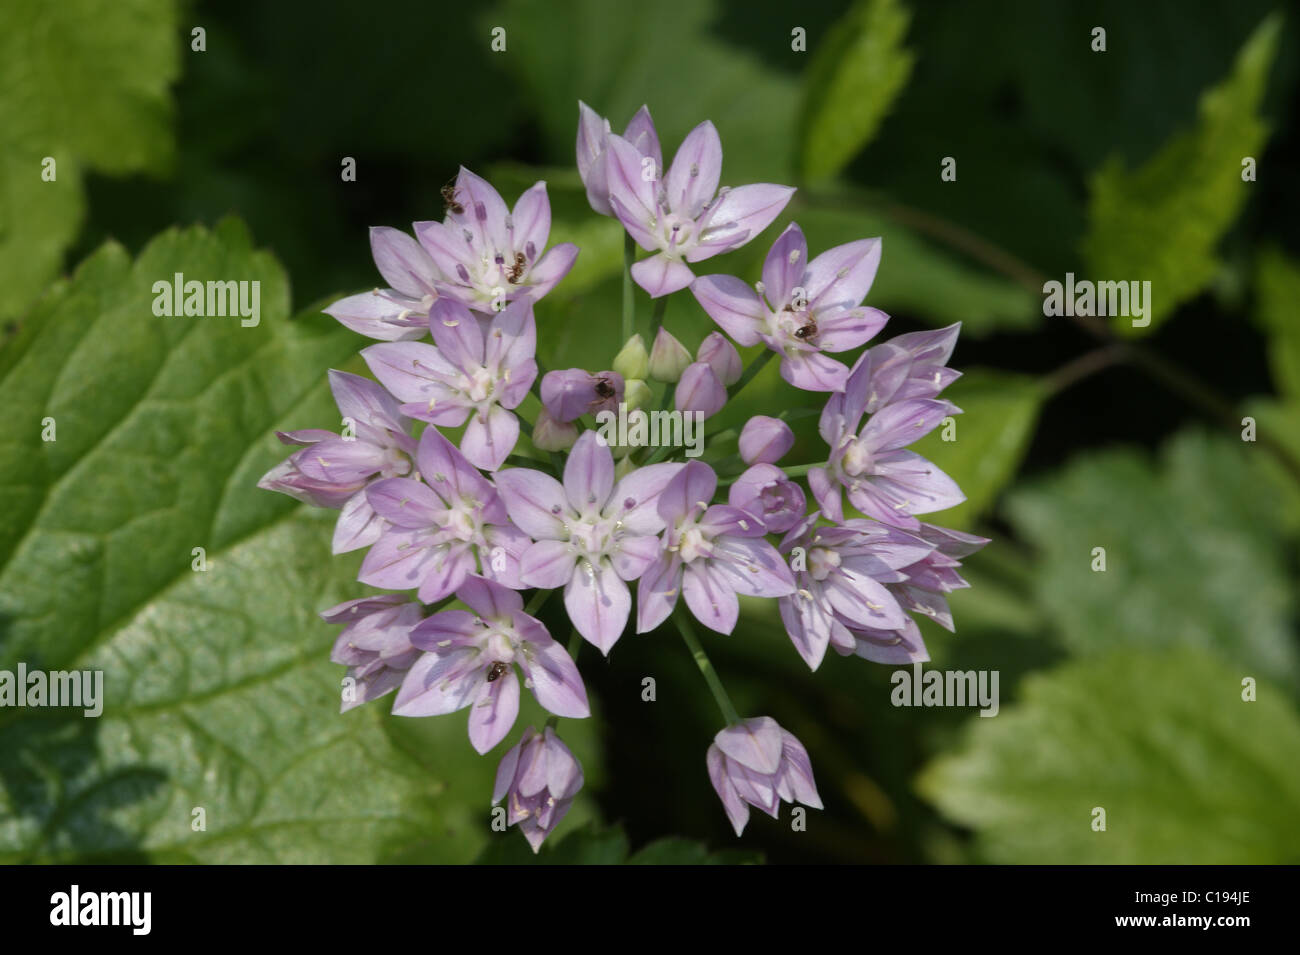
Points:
(855, 76)
(1185, 769)
(83, 82)
(988, 440)
(1162, 221)
(218, 690)
(1193, 553)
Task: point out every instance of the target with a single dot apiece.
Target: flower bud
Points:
(552, 435)
(538, 779)
(765, 440)
(636, 393)
(633, 361)
(668, 358)
(700, 390)
(572, 392)
(722, 358)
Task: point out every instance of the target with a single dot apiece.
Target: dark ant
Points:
(806, 332)
(604, 389)
(496, 670)
(449, 198)
(516, 270)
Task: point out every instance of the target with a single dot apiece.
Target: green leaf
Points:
(1193, 553)
(662, 57)
(1278, 291)
(1162, 221)
(852, 82)
(1186, 770)
(1281, 420)
(989, 438)
(85, 83)
(218, 690)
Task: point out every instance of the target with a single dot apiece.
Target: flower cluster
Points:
(472, 515)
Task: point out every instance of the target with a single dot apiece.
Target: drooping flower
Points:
(710, 554)
(569, 394)
(401, 312)
(882, 478)
(538, 777)
(333, 470)
(476, 369)
(593, 137)
(802, 309)
(470, 659)
(757, 763)
(490, 255)
(765, 440)
(840, 579)
(442, 529)
(375, 644)
(683, 217)
(591, 534)
(766, 492)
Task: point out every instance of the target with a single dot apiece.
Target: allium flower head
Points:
(538, 777)
(375, 644)
(757, 763)
(470, 662)
(442, 529)
(478, 369)
(710, 554)
(333, 470)
(591, 533)
(683, 216)
(802, 309)
(400, 312)
(489, 254)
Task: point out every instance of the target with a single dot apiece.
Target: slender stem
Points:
(666, 399)
(799, 470)
(1086, 364)
(750, 371)
(629, 257)
(680, 617)
(657, 319)
(535, 602)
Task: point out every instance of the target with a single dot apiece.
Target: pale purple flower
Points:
(722, 357)
(906, 366)
(571, 393)
(918, 587)
(882, 478)
(401, 312)
(700, 390)
(841, 575)
(442, 529)
(765, 440)
(683, 217)
(801, 309)
(710, 554)
(538, 777)
(757, 763)
(375, 644)
(593, 136)
(478, 369)
(591, 533)
(766, 492)
(333, 470)
(470, 662)
(490, 255)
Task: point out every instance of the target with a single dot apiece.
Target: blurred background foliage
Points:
(1119, 689)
